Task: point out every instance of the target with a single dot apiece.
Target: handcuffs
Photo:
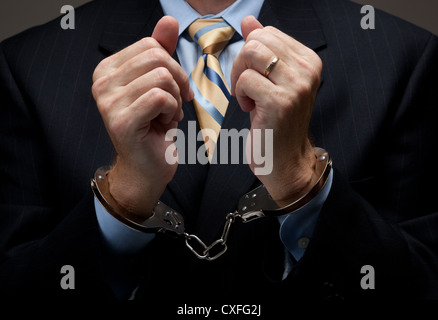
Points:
(253, 205)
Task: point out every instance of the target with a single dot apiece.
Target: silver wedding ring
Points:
(271, 66)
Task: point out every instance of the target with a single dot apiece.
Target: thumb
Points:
(166, 33)
(249, 24)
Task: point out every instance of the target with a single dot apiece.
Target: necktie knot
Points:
(212, 35)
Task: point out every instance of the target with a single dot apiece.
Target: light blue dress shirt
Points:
(295, 230)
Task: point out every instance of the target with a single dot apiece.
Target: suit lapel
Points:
(296, 18)
(130, 21)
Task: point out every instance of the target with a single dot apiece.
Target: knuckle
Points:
(256, 33)
(314, 60)
(134, 64)
(318, 71)
(303, 88)
(315, 78)
(252, 48)
(99, 87)
(312, 69)
(98, 71)
(315, 75)
(163, 75)
(147, 43)
(104, 63)
(95, 90)
(318, 63)
(106, 105)
(185, 79)
(96, 74)
(245, 77)
(270, 29)
(157, 56)
(158, 97)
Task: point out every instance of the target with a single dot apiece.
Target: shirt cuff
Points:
(296, 229)
(119, 238)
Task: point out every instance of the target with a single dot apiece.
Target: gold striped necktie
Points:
(212, 92)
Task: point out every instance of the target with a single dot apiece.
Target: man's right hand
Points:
(139, 93)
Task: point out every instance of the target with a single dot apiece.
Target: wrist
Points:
(162, 217)
(260, 202)
(296, 178)
(130, 194)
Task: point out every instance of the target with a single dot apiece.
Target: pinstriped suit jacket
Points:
(376, 113)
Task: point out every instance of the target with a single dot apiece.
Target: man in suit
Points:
(108, 91)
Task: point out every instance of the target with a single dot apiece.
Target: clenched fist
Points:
(282, 101)
(139, 94)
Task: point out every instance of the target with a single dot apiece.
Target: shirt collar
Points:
(185, 14)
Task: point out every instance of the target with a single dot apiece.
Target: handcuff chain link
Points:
(222, 241)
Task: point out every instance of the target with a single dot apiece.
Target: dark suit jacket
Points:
(375, 113)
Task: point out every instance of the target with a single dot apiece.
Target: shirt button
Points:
(303, 242)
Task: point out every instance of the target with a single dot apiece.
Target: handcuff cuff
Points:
(253, 205)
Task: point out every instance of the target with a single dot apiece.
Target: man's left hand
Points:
(282, 101)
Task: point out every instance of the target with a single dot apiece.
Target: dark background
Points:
(18, 15)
